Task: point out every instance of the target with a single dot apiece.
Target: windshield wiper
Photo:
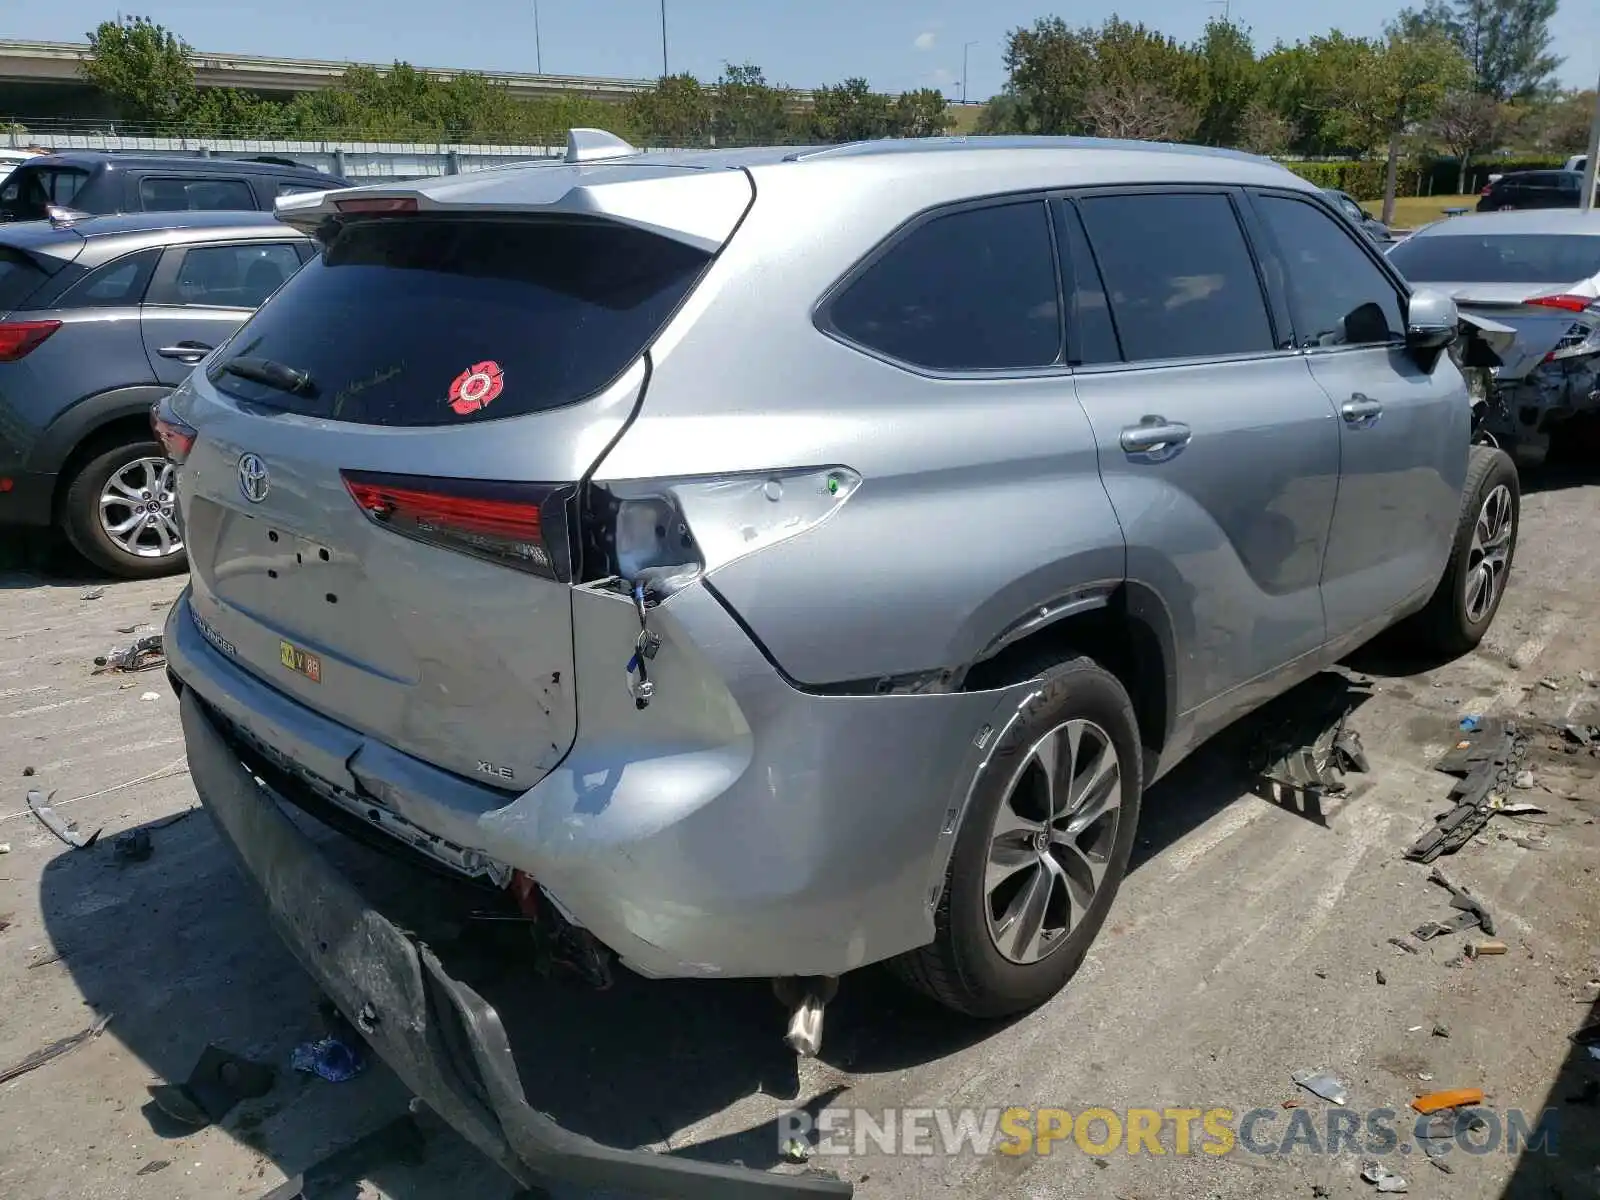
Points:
(272, 374)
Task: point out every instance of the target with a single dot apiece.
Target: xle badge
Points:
(299, 661)
(476, 387)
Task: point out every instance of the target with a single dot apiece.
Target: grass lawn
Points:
(1412, 212)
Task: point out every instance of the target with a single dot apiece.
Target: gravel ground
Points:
(1245, 946)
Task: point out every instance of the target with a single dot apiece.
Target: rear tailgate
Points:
(384, 536)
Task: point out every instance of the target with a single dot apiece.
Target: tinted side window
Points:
(1337, 295)
(1179, 274)
(121, 281)
(231, 276)
(971, 290)
(1091, 338)
(29, 191)
(194, 194)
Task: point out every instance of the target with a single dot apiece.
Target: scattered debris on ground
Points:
(1386, 1180)
(1313, 748)
(154, 1165)
(93, 594)
(133, 847)
(1441, 1030)
(1478, 949)
(65, 830)
(1323, 1083)
(1472, 912)
(1485, 761)
(55, 1050)
(146, 654)
(1451, 1098)
(220, 1080)
(333, 1058)
(1381, 978)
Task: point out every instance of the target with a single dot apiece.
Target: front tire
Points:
(1041, 851)
(1474, 581)
(119, 511)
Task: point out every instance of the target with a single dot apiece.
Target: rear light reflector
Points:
(176, 437)
(377, 204)
(1487, 188)
(518, 525)
(18, 339)
(1564, 302)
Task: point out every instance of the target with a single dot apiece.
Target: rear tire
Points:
(124, 486)
(1474, 581)
(979, 963)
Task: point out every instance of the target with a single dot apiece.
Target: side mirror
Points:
(1431, 325)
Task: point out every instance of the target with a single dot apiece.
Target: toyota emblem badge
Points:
(253, 478)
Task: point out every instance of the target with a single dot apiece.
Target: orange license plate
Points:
(301, 662)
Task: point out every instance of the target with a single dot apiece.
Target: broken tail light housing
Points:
(666, 533)
(176, 436)
(1565, 302)
(518, 525)
(18, 339)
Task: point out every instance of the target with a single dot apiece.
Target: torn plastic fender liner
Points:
(443, 1040)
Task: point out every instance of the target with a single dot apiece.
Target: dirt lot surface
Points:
(1246, 945)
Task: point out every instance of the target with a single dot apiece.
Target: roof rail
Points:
(588, 145)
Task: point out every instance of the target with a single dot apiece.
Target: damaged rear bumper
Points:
(438, 1035)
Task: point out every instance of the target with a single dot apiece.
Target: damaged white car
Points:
(1533, 278)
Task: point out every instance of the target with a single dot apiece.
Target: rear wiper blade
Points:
(273, 374)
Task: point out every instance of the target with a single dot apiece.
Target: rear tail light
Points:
(377, 204)
(1567, 303)
(664, 534)
(517, 525)
(1487, 188)
(18, 339)
(176, 437)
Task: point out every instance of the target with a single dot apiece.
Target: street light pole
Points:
(538, 48)
(664, 71)
(1594, 153)
(965, 47)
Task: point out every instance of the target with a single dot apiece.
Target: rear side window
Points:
(971, 290)
(29, 191)
(1179, 274)
(119, 282)
(229, 276)
(430, 322)
(1546, 258)
(196, 194)
(19, 277)
(1337, 295)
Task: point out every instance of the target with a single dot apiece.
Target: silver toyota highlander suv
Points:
(767, 563)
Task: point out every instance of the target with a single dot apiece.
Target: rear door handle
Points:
(189, 352)
(1360, 410)
(1156, 435)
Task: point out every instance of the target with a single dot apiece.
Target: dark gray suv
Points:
(99, 319)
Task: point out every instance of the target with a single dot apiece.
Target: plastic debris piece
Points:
(151, 696)
(1524, 781)
(1323, 1083)
(143, 655)
(66, 831)
(93, 594)
(1404, 945)
(133, 847)
(1478, 949)
(1550, 684)
(1520, 809)
(219, 1081)
(1381, 978)
(1471, 723)
(5, 847)
(1386, 1180)
(55, 1050)
(150, 1168)
(796, 1151)
(1451, 1098)
(1441, 1030)
(1425, 1076)
(27, 772)
(332, 1059)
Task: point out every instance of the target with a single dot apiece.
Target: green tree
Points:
(1050, 70)
(1464, 124)
(922, 113)
(1231, 78)
(1002, 114)
(1506, 42)
(143, 67)
(850, 112)
(677, 111)
(749, 110)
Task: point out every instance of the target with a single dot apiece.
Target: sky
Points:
(896, 45)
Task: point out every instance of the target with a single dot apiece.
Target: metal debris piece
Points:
(55, 1050)
(93, 594)
(143, 655)
(1553, 685)
(1516, 808)
(1404, 945)
(1375, 1172)
(1464, 900)
(151, 1167)
(1441, 1030)
(133, 847)
(220, 1080)
(66, 831)
(1323, 1083)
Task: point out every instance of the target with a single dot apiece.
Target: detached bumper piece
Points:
(443, 1040)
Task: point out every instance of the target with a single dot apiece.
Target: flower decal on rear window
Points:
(476, 387)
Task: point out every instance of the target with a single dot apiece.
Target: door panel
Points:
(1403, 431)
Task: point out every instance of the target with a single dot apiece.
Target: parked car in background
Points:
(1532, 189)
(98, 320)
(1347, 204)
(10, 159)
(545, 530)
(1576, 163)
(1537, 273)
(104, 184)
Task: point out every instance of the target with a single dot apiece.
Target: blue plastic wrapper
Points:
(330, 1058)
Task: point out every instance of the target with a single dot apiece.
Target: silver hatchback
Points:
(768, 563)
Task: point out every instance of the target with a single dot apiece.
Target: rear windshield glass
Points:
(19, 276)
(28, 192)
(1498, 258)
(421, 321)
